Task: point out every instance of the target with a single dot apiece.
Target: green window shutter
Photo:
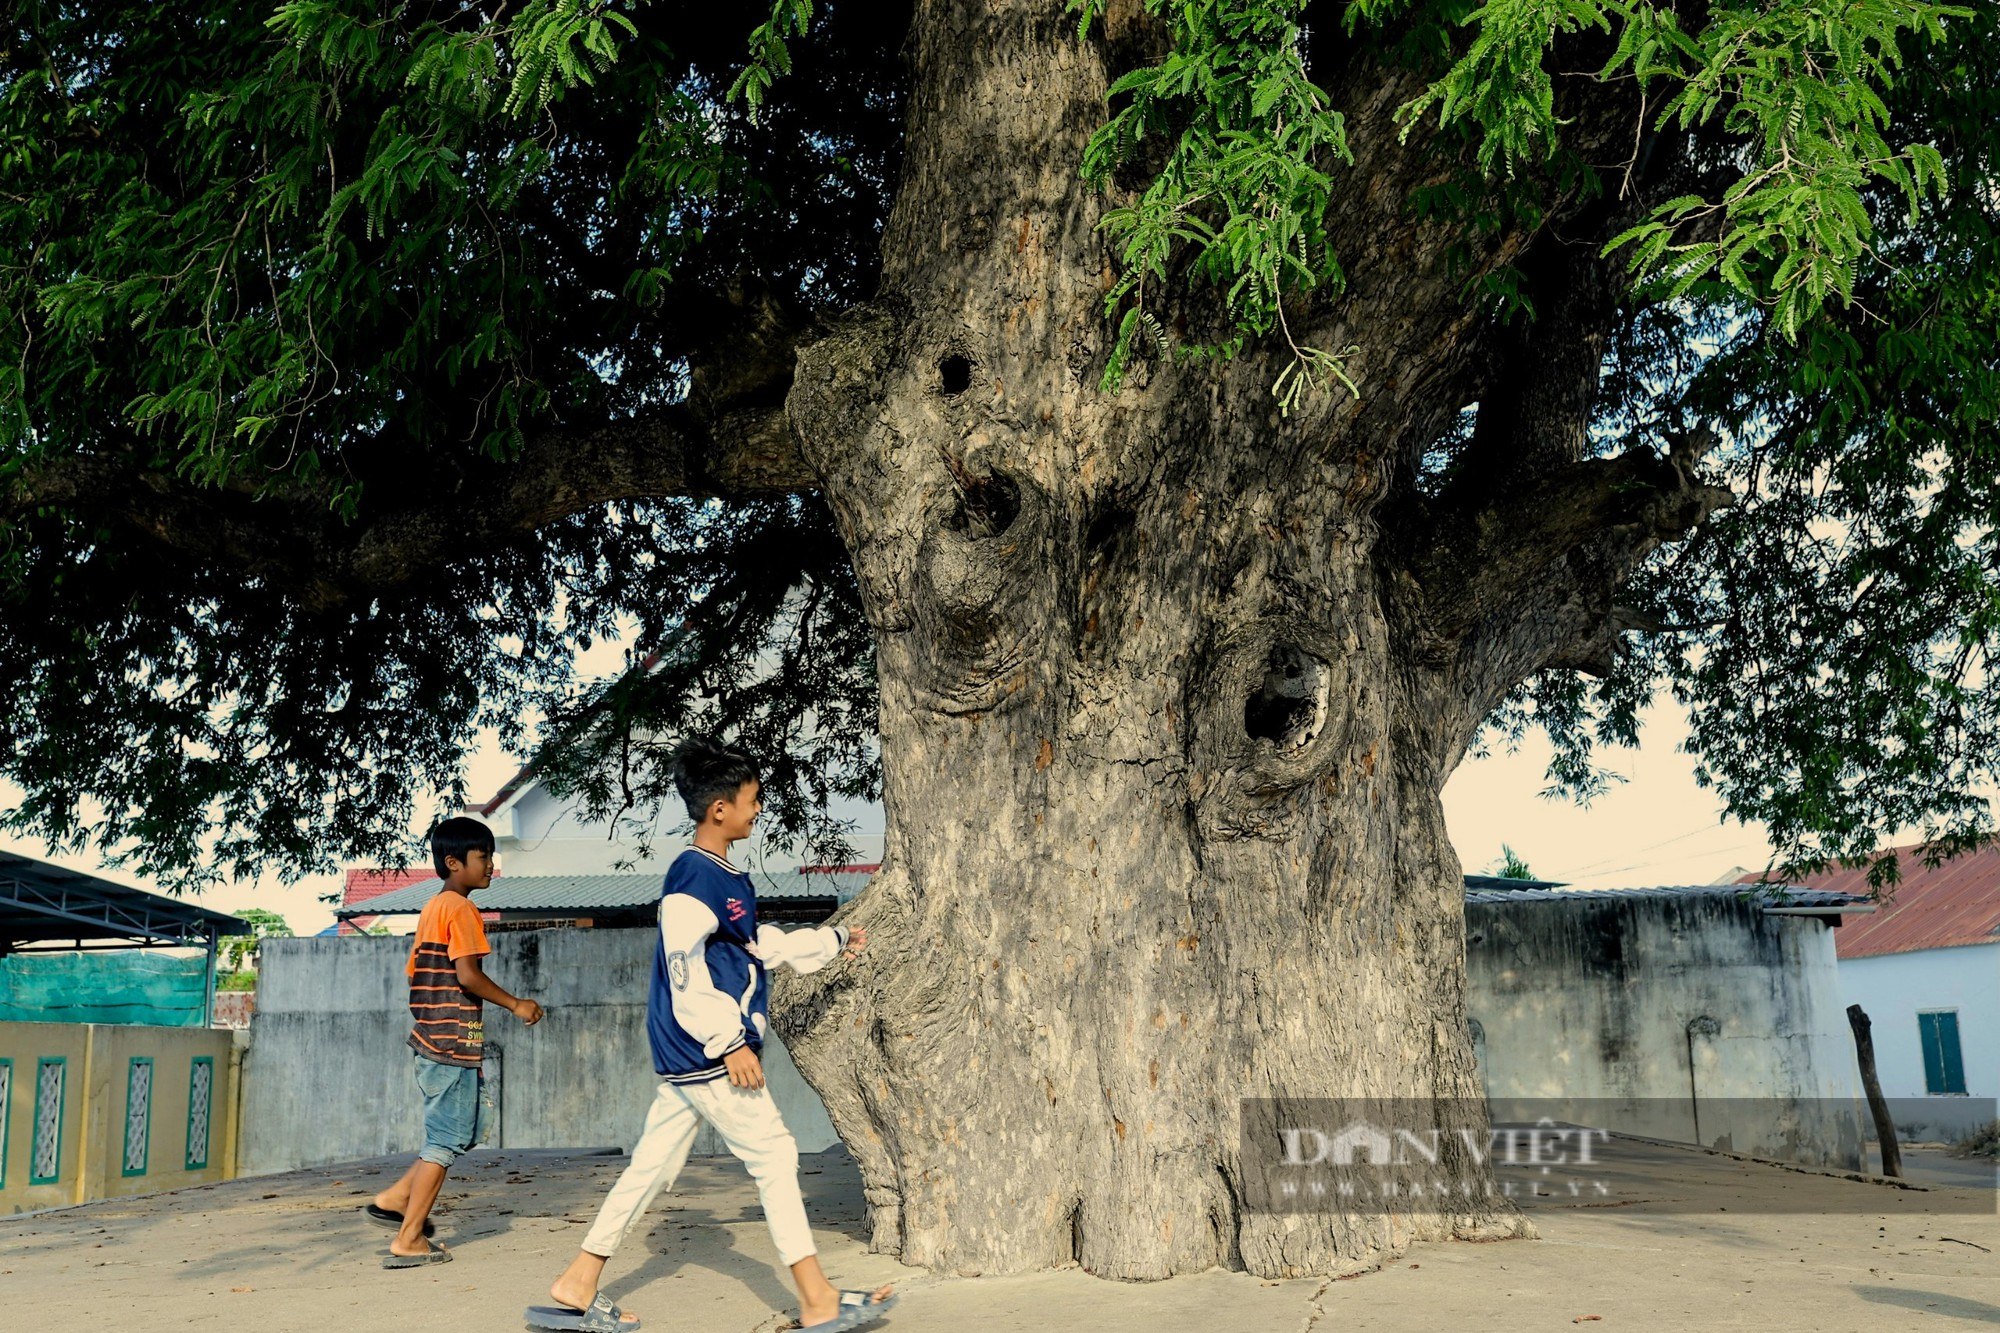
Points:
(1944, 1064)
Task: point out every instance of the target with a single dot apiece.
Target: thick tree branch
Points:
(1501, 551)
(1532, 581)
(292, 539)
(673, 452)
(729, 438)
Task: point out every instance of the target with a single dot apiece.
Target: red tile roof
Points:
(521, 778)
(1958, 903)
(370, 882)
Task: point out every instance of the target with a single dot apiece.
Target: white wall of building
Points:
(1893, 989)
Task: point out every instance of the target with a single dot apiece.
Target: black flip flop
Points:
(382, 1217)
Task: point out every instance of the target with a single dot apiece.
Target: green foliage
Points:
(1834, 634)
(1796, 90)
(339, 255)
(770, 57)
(335, 253)
(273, 255)
(237, 951)
(1250, 144)
(1510, 866)
(1243, 195)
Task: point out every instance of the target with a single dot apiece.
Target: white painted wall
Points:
(1692, 1018)
(1893, 988)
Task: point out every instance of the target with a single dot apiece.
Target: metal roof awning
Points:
(1508, 884)
(601, 894)
(42, 905)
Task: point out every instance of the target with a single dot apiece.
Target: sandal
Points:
(383, 1217)
(601, 1317)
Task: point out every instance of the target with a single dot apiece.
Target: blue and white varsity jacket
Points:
(710, 992)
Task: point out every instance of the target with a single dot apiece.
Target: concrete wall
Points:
(101, 1117)
(1894, 989)
(329, 1077)
(1695, 1018)
(1586, 996)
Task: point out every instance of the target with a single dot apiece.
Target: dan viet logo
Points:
(1598, 1156)
(1363, 1162)
(1545, 1144)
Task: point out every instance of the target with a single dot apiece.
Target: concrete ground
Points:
(293, 1252)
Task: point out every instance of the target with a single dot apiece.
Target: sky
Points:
(1657, 827)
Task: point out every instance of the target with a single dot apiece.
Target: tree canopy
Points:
(364, 360)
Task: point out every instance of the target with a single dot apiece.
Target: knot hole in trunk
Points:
(954, 374)
(980, 596)
(1289, 707)
(987, 505)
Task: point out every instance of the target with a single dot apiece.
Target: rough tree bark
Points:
(1168, 695)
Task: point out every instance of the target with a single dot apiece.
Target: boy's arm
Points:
(806, 950)
(702, 1011)
(472, 977)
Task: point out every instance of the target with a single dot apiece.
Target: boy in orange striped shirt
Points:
(447, 987)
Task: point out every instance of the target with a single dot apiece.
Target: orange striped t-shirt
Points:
(450, 1024)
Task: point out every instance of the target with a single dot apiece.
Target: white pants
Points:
(748, 1121)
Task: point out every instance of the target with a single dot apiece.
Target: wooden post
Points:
(1885, 1128)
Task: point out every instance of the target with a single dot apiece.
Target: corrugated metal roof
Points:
(596, 893)
(1775, 895)
(1954, 905)
(1504, 884)
(40, 900)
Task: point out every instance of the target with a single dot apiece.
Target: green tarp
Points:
(104, 988)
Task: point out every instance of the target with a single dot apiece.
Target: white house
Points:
(1926, 969)
(540, 834)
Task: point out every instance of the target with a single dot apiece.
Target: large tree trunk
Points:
(1162, 765)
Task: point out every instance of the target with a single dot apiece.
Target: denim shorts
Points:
(456, 1111)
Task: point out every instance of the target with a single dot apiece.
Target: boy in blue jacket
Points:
(706, 1017)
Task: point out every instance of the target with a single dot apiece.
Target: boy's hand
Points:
(745, 1069)
(857, 940)
(528, 1011)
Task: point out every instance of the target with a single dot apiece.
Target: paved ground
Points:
(292, 1253)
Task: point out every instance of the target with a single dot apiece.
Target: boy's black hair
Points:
(458, 837)
(706, 772)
